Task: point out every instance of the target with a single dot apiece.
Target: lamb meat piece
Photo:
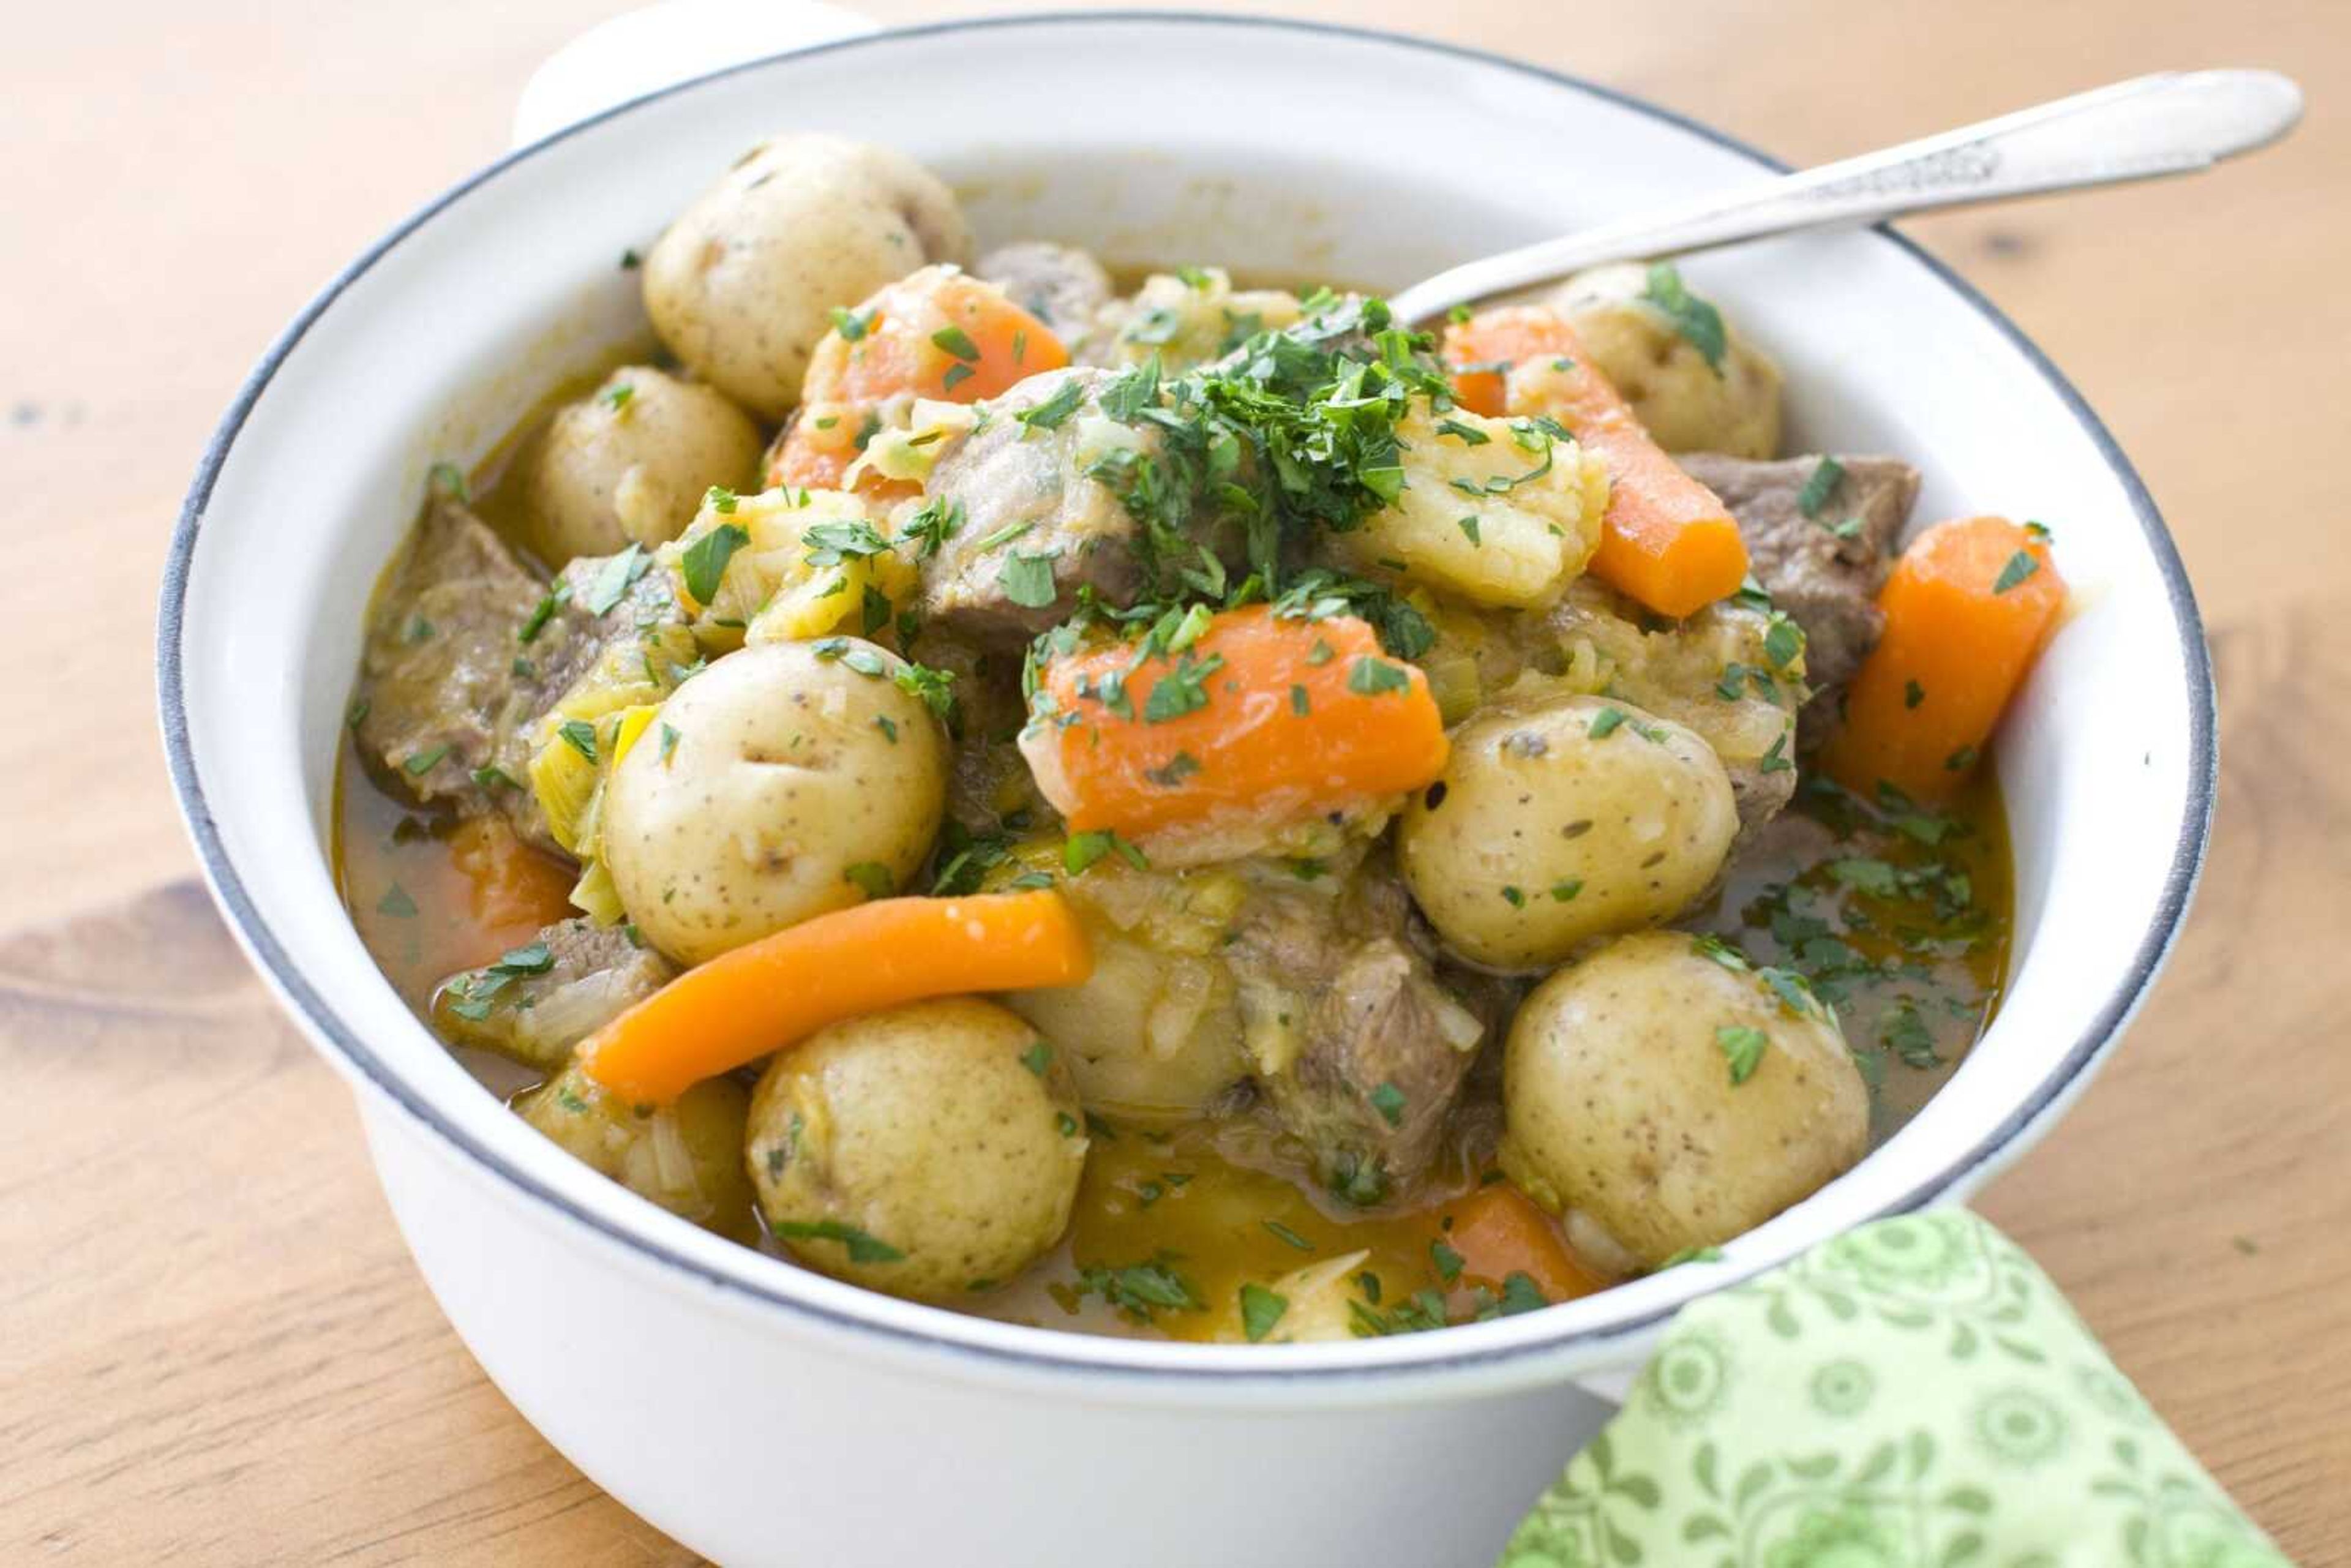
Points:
(1376, 1050)
(468, 647)
(1026, 496)
(1061, 286)
(1824, 575)
(536, 1011)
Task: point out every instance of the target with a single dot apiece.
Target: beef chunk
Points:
(449, 684)
(1375, 1048)
(1061, 286)
(1824, 575)
(1036, 524)
(441, 691)
(536, 1014)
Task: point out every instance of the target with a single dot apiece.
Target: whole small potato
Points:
(1686, 404)
(925, 1151)
(784, 781)
(1662, 1091)
(632, 462)
(743, 284)
(1556, 823)
(687, 1157)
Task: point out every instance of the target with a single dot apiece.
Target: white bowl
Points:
(759, 1413)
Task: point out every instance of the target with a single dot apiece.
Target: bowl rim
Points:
(1061, 1351)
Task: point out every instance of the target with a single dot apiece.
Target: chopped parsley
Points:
(704, 560)
(580, 737)
(2021, 566)
(1026, 578)
(1605, 722)
(1698, 322)
(956, 341)
(1080, 852)
(862, 1247)
(1819, 486)
(1286, 1236)
(1371, 677)
(1389, 1101)
(1261, 1310)
(1742, 1047)
(615, 578)
(871, 878)
(1054, 412)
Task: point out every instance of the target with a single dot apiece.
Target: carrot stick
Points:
(1499, 1231)
(782, 988)
(1667, 540)
(1967, 610)
(1268, 719)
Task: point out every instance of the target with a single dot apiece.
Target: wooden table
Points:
(213, 1347)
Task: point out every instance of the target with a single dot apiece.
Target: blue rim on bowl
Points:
(2186, 862)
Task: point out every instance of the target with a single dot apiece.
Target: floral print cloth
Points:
(1913, 1394)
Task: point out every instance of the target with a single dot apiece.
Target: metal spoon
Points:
(2174, 122)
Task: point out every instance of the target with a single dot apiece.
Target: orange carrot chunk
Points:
(512, 888)
(1968, 608)
(1261, 718)
(1499, 1231)
(1667, 540)
(936, 333)
(780, 989)
(940, 333)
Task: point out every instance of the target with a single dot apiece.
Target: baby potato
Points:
(631, 462)
(1663, 1091)
(743, 284)
(687, 1157)
(925, 1151)
(785, 781)
(1556, 823)
(1516, 541)
(1686, 403)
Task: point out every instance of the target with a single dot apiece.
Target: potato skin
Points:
(1674, 393)
(687, 1157)
(782, 777)
(940, 1130)
(631, 462)
(742, 284)
(1541, 835)
(1619, 1102)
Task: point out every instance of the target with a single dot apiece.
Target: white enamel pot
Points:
(764, 1414)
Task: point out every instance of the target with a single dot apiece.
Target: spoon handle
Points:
(2173, 122)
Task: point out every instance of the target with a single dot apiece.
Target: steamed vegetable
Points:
(788, 780)
(1667, 541)
(1967, 610)
(1253, 717)
(743, 284)
(928, 1150)
(738, 1006)
(1676, 1094)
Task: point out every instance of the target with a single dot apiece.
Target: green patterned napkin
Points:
(1913, 1394)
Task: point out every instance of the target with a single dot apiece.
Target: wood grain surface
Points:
(214, 1349)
